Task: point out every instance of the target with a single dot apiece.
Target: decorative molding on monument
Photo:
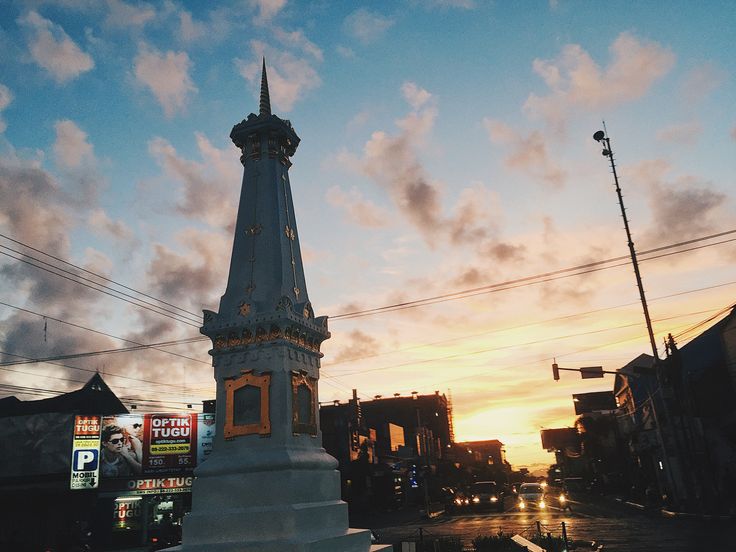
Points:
(246, 331)
(238, 357)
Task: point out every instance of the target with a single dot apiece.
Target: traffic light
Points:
(555, 371)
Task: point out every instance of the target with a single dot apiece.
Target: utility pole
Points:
(602, 136)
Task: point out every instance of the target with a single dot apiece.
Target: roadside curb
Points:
(673, 514)
(711, 517)
(632, 504)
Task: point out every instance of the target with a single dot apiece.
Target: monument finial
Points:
(265, 105)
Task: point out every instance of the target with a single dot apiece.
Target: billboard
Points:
(150, 444)
(560, 438)
(85, 453)
(596, 401)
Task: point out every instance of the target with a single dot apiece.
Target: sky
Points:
(446, 152)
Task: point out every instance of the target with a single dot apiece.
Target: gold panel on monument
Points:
(247, 405)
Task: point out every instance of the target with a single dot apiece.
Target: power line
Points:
(110, 351)
(169, 384)
(486, 288)
(111, 293)
(511, 346)
(196, 315)
(539, 322)
(704, 322)
(531, 280)
(185, 340)
(534, 362)
(460, 294)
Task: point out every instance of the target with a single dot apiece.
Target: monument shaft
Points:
(268, 484)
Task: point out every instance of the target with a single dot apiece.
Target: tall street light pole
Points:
(602, 136)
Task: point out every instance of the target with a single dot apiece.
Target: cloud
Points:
(35, 212)
(701, 81)
(392, 162)
(528, 154)
(99, 221)
(166, 75)
(345, 52)
(463, 4)
(359, 344)
(209, 187)
(6, 97)
(289, 76)
(576, 81)
(472, 222)
(503, 252)
(197, 273)
(215, 29)
(267, 9)
(685, 206)
(417, 97)
(366, 26)
(358, 209)
(122, 15)
(296, 39)
(53, 50)
(75, 157)
(33, 206)
(71, 146)
(681, 133)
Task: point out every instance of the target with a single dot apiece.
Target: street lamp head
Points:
(606, 153)
(598, 136)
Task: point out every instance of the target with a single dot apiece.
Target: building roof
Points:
(94, 397)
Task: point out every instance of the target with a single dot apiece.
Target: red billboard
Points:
(134, 444)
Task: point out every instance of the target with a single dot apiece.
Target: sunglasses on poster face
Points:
(136, 426)
(116, 441)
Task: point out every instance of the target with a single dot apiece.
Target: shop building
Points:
(79, 467)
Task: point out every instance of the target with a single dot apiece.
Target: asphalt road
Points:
(617, 526)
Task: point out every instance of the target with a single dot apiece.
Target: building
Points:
(425, 420)
(387, 448)
(492, 453)
(671, 439)
(50, 496)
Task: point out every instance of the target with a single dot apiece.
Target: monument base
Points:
(354, 540)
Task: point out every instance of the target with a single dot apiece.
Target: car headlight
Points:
(563, 498)
(522, 504)
(542, 504)
(458, 501)
(476, 500)
(494, 499)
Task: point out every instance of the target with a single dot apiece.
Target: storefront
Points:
(143, 473)
(145, 508)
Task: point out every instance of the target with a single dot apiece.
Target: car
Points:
(454, 499)
(486, 494)
(559, 497)
(532, 496)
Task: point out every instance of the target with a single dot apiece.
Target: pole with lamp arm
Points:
(601, 136)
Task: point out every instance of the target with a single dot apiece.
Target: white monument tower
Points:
(268, 484)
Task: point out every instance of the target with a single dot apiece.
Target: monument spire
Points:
(268, 484)
(265, 104)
